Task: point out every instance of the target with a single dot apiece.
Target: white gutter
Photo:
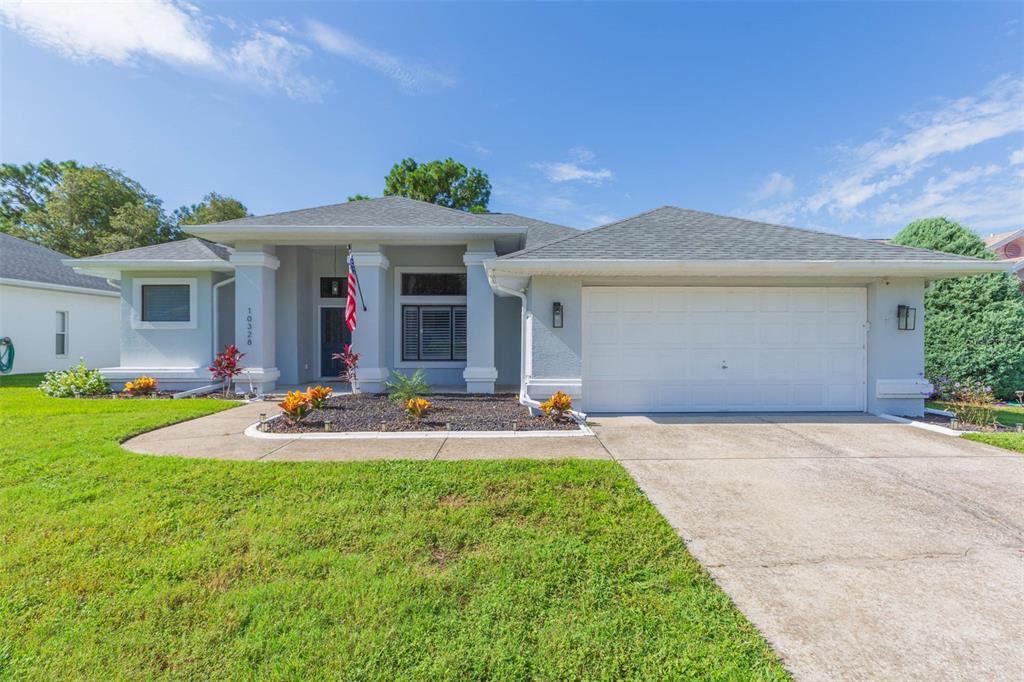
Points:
(323, 234)
(29, 284)
(931, 269)
(216, 325)
(111, 268)
(524, 399)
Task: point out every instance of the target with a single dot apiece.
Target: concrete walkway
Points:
(862, 549)
(219, 436)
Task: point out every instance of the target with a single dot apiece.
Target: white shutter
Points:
(435, 333)
(458, 332)
(410, 333)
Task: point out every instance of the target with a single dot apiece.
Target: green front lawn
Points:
(115, 565)
(1010, 441)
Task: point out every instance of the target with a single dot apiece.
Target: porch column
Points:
(369, 337)
(480, 373)
(255, 319)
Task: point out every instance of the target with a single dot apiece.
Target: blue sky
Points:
(852, 118)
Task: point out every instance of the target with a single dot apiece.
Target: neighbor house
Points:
(671, 310)
(52, 314)
(1009, 246)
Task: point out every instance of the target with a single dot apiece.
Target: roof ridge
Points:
(581, 233)
(346, 203)
(819, 232)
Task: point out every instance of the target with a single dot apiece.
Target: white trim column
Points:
(370, 334)
(255, 319)
(480, 373)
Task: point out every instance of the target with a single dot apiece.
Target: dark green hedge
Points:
(974, 326)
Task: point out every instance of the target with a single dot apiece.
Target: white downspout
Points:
(524, 398)
(216, 317)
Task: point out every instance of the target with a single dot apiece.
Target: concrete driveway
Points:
(861, 548)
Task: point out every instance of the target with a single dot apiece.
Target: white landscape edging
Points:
(253, 431)
(922, 425)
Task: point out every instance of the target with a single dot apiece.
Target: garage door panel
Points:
(662, 349)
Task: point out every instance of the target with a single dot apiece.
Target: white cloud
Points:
(411, 77)
(885, 163)
(574, 170)
(894, 178)
(775, 185)
(274, 61)
(476, 147)
(176, 33)
(117, 32)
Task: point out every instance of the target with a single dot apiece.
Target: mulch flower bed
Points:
(464, 412)
(949, 423)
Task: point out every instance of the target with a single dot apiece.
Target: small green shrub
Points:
(402, 387)
(74, 382)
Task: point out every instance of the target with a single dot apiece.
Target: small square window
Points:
(165, 303)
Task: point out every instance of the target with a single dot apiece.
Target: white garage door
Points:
(706, 349)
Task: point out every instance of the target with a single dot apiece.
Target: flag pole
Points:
(359, 287)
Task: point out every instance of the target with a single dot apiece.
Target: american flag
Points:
(350, 304)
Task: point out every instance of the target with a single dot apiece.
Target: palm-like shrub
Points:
(402, 387)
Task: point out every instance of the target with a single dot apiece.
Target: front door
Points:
(333, 337)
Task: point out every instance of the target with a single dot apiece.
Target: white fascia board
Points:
(111, 268)
(29, 284)
(330, 234)
(1006, 239)
(936, 269)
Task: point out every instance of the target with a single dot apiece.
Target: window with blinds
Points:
(433, 332)
(165, 303)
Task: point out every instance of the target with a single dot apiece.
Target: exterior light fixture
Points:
(556, 315)
(906, 318)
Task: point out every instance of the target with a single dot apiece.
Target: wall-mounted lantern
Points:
(906, 318)
(556, 315)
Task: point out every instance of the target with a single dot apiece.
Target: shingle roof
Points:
(20, 259)
(378, 212)
(671, 233)
(539, 232)
(192, 249)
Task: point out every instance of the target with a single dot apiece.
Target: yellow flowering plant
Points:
(296, 404)
(140, 386)
(318, 395)
(417, 408)
(557, 407)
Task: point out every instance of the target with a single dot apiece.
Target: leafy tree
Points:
(95, 209)
(24, 189)
(359, 197)
(974, 326)
(446, 183)
(214, 208)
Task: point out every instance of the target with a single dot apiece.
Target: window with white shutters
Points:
(433, 332)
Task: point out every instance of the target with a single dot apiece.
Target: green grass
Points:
(1008, 416)
(123, 566)
(1010, 441)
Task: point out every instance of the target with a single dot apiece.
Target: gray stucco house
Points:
(671, 310)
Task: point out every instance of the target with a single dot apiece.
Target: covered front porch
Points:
(426, 307)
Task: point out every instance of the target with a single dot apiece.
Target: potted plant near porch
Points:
(349, 365)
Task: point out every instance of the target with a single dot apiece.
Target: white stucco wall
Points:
(177, 358)
(894, 357)
(29, 316)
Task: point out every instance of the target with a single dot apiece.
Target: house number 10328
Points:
(248, 330)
